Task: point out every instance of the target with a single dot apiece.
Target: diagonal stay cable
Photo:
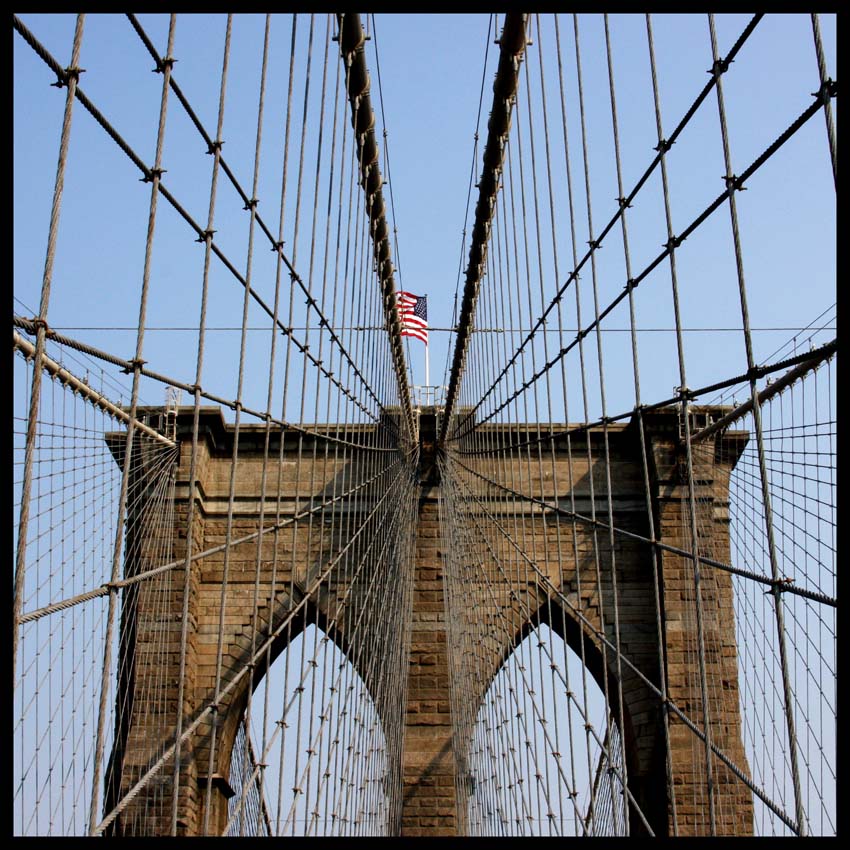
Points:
(529, 616)
(251, 206)
(783, 585)
(248, 667)
(200, 231)
(719, 68)
(127, 365)
(735, 184)
(547, 582)
(521, 550)
(806, 362)
(79, 387)
(624, 203)
(103, 590)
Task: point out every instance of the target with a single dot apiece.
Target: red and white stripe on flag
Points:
(413, 311)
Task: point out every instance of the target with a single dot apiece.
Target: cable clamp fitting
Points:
(827, 90)
(252, 204)
(673, 242)
(70, 73)
(205, 235)
(162, 64)
(212, 147)
(734, 183)
(663, 146)
(132, 365)
(780, 585)
(39, 323)
(623, 202)
(278, 246)
(151, 173)
(718, 67)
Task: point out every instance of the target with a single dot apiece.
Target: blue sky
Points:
(427, 97)
(431, 73)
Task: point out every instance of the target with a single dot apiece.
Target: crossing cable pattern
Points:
(138, 704)
(211, 616)
(553, 537)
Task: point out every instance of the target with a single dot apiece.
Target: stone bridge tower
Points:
(433, 796)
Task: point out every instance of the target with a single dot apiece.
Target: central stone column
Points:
(429, 801)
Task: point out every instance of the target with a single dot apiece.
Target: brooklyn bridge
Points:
(272, 579)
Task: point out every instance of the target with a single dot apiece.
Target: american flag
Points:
(413, 311)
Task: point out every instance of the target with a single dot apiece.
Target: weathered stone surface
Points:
(568, 554)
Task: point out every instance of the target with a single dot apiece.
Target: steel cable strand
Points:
(369, 631)
(203, 235)
(808, 360)
(155, 175)
(238, 676)
(355, 631)
(331, 626)
(826, 93)
(103, 590)
(528, 614)
(351, 39)
(756, 410)
(512, 45)
(605, 441)
(518, 715)
(795, 126)
(712, 562)
(70, 78)
(644, 459)
(250, 205)
(681, 715)
(627, 201)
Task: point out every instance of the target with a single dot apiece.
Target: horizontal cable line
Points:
(78, 386)
(797, 373)
(104, 589)
(594, 633)
(817, 354)
(127, 365)
(250, 206)
(674, 242)
(734, 184)
(625, 203)
(248, 666)
(209, 329)
(511, 48)
(782, 585)
(203, 236)
(811, 325)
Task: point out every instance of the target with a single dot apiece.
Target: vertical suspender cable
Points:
(512, 46)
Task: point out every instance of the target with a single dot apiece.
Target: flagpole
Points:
(427, 379)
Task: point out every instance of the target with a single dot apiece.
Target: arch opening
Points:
(543, 756)
(310, 756)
